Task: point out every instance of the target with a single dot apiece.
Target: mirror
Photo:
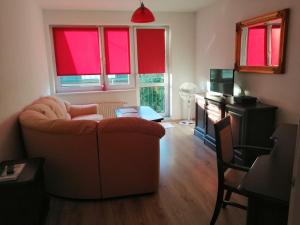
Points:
(261, 43)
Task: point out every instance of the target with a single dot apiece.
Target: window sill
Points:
(93, 92)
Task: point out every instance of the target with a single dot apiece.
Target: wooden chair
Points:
(229, 174)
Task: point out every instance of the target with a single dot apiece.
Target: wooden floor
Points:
(186, 194)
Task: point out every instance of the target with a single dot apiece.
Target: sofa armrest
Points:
(80, 110)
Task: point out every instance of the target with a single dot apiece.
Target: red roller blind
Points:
(117, 50)
(257, 47)
(151, 51)
(76, 51)
(275, 42)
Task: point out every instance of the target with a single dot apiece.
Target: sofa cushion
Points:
(62, 103)
(55, 105)
(44, 110)
(95, 117)
(37, 121)
(81, 110)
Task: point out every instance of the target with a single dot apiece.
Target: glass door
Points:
(154, 92)
(154, 88)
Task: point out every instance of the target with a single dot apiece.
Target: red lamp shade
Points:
(142, 15)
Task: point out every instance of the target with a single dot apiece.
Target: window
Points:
(117, 50)
(78, 60)
(117, 57)
(263, 45)
(257, 42)
(77, 51)
(118, 79)
(151, 50)
(78, 83)
(153, 76)
(87, 58)
(275, 45)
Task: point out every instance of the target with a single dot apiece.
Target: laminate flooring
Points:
(186, 196)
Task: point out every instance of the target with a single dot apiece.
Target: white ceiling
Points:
(125, 5)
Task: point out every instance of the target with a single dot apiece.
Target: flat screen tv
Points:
(222, 81)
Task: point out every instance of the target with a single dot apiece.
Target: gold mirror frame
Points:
(283, 15)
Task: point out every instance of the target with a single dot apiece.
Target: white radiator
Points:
(107, 109)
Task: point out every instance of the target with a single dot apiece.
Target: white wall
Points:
(182, 60)
(215, 47)
(23, 68)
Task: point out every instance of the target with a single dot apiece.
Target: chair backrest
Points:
(224, 144)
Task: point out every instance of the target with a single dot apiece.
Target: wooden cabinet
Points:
(214, 113)
(251, 124)
(24, 201)
(200, 116)
(209, 110)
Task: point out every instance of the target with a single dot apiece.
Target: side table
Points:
(24, 201)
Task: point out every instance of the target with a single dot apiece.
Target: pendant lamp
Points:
(142, 15)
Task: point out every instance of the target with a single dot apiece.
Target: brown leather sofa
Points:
(90, 158)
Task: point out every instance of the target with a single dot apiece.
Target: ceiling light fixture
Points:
(142, 15)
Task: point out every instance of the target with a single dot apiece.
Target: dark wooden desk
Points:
(268, 183)
(144, 112)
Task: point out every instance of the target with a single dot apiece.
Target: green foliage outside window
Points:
(153, 96)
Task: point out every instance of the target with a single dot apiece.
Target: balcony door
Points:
(153, 68)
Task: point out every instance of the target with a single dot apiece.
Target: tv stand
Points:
(251, 124)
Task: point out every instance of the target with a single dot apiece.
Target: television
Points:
(222, 81)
